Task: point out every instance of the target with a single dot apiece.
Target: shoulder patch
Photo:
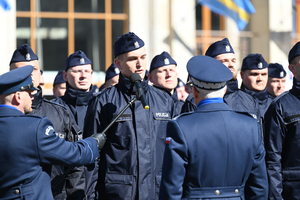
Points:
(49, 128)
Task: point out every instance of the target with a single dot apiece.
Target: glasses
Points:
(78, 72)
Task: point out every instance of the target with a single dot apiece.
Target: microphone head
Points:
(135, 77)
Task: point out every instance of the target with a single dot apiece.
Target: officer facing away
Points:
(276, 80)
(235, 98)
(206, 155)
(29, 142)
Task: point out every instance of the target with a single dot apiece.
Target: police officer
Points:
(29, 142)
(111, 76)
(131, 159)
(282, 126)
(78, 77)
(63, 123)
(254, 74)
(182, 90)
(59, 84)
(163, 75)
(234, 98)
(276, 80)
(206, 155)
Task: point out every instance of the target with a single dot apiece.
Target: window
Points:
(58, 28)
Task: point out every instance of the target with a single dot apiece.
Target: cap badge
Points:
(28, 56)
(167, 61)
(259, 65)
(82, 61)
(227, 48)
(281, 74)
(117, 71)
(136, 44)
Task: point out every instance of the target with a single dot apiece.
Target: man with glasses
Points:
(63, 123)
(78, 77)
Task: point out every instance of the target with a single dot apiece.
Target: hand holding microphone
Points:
(136, 80)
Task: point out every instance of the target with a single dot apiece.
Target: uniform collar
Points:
(77, 97)
(126, 86)
(38, 99)
(296, 88)
(210, 101)
(260, 96)
(232, 86)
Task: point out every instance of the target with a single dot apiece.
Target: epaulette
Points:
(281, 95)
(247, 113)
(32, 115)
(54, 103)
(183, 114)
(102, 91)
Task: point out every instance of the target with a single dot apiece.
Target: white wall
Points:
(7, 35)
(165, 25)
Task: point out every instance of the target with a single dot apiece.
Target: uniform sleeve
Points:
(57, 151)
(174, 163)
(274, 139)
(256, 187)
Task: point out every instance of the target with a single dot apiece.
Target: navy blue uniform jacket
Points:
(131, 160)
(76, 102)
(214, 153)
(27, 143)
(282, 143)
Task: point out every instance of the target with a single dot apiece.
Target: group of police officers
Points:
(222, 142)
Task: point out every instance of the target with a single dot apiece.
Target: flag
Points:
(4, 4)
(168, 140)
(238, 10)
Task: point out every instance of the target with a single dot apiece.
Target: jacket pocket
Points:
(118, 186)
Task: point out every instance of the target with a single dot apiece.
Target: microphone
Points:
(136, 80)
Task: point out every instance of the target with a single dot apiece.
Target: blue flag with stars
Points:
(238, 10)
(4, 4)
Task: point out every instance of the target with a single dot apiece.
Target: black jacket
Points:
(131, 160)
(282, 144)
(66, 128)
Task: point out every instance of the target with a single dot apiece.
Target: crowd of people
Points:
(207, 138)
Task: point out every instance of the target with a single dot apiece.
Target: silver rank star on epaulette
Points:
(82, 61)
(227, 48)
(281, 74)
(28, 56)
(259, 65)
(136, 44)
(167, 61)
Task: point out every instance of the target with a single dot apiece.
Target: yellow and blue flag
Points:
(4, 4)
(238, 10)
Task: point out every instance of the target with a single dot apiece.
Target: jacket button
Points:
(217, 192)
(17, 191)
(236, 191)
